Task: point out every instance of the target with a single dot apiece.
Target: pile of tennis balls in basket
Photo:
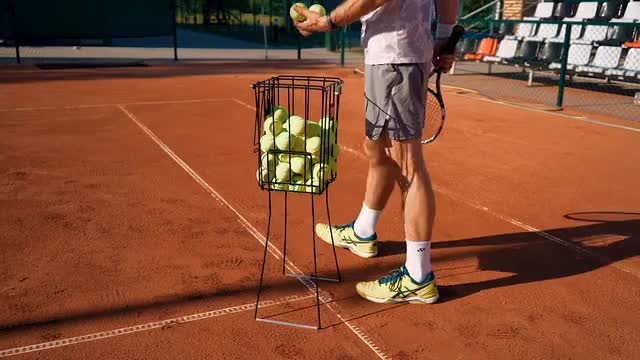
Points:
(296, 172)
(295, 16)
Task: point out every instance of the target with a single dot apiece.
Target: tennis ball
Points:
(264, 175)
(269, 162)
(295, 16)
(313, 186)
(272, 126)
(284, 158)
(317, 8)
(313, 146)
(297, 184)
(280, 114)
(267, 142)
(336, 151)
(283, 171)
(283, 187)
(283, 141)
(296, 125)
(324, 171)
(313, 129)
(301, 165)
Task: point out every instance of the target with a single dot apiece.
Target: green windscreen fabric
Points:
(47, 19)
(6, 27)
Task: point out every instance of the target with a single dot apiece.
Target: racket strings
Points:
(434, 117)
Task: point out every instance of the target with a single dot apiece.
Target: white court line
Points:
(147, 326)
(520, 224)
(89, 106)
(574, 117)
(256, 234)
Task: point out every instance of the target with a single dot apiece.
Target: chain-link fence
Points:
(572, 55)
(39, 31)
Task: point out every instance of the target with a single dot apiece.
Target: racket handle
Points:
(456, 35)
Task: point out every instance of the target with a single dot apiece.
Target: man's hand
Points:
(313, 23)
(442, 62)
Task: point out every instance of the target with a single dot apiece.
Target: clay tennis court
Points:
(132, 227)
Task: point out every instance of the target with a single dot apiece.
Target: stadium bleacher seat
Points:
(586, 10)
(544, 10)
(564, 9)
(487, 47)
(617, 35)
(524, 30)
(576, 32)
(630, 69)
(592, 33)
(610, 9)
(551, 52)
(631, 13)
(579, 54)
(545, 31)
(506, 51)
(607, 57)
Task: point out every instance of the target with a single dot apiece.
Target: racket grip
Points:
(450, 46)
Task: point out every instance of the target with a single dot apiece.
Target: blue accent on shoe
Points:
(430, 277)
(350, 225)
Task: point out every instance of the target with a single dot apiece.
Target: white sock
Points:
(418, 259)
(365, 224)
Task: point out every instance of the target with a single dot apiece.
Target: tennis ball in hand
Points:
(267, 142)
(296, 125)
(283, 172)
(280, 114)
(313, 146)
(317, 8)
(295, 16)
(272, 126)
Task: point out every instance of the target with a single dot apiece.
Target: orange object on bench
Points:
(634, 44)
(488, 47)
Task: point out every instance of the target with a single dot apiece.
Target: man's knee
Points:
(408, 155)
(376, 152)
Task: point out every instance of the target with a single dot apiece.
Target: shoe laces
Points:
(393, 280)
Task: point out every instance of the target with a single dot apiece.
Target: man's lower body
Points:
(395, 105)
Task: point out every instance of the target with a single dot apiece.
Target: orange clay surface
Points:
(535, 247)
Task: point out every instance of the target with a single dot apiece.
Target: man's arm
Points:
(351, 10)
(346, 13)
(447, 16)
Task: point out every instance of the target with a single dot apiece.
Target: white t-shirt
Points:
(398, 32)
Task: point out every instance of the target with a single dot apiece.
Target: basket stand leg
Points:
(310, 281)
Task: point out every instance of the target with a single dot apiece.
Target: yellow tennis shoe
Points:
(345, 237)
(399, 287)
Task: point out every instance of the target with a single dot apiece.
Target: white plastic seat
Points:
(579, 54)
(506, 50)
(630, 67)
(524, 30)
(607, 57)
(631, 13)
(545, 31)
(576, 33)
(591, 34)
(544, 10)
(586, 10)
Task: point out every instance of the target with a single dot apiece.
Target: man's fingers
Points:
(305, 33)
(303, 11)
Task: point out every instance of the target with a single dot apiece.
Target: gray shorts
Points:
(395, 99)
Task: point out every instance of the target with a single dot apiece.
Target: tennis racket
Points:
(435, 111)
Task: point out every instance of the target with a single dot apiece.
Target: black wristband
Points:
(332, 26)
